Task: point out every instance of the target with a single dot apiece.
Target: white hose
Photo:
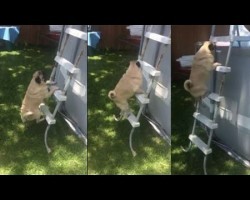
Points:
(45, 139)
(130, 142)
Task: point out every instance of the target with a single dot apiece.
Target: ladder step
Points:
(48, 116)
(241, 38)
(158, 38)
(200, 144)
(220, 38)
(223, 69)
(67, 65)
(149, 68)
(215, 97)
(50, 82)
(203, 119)
(132, 120)
(76, 33)
(142, 98)
(60, 96)
(230, 38)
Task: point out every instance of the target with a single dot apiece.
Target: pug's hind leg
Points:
(119, 118)
(28, 116)
(123, 115)
(40, 120)
(127, 113)
(40, 117)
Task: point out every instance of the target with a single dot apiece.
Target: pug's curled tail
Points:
(187, 85)
(112, 94)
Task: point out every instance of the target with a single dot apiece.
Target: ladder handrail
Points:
(152, 77)
(66, 85)
(216, 103)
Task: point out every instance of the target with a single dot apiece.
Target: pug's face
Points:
(134, 68)
(38, 77)
(207, 47)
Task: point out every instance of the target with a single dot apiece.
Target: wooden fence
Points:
(111, 35)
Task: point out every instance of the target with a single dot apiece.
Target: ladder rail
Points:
(238, 34)
(66, 84)
(212, 31)
(216, 98)
(60, 54)
(193, 129)
(152, 76)
(52, 76)
(142, 38)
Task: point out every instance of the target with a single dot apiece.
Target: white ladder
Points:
(72, 69)
(153, 73)
(215, 98)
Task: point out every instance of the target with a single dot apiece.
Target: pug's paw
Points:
(140, 91)
(54, 88)
(49, 82)
(216, 64)
(117, 119)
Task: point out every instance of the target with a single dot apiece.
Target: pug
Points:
(129, 85)
(37, 91)
(203, 64)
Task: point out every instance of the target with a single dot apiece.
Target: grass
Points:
(22, 146)
(108, 140)
(218, 163)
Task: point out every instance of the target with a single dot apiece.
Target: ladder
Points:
(153, 74)
(72, 69)
(215, 98)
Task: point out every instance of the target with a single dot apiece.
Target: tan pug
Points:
(202, 65)
(128, 86)
(36, 93)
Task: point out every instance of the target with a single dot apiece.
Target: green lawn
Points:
(192, 162)
(22, 149)
(108, 140)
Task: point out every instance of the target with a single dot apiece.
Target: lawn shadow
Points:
(22, 146)
(192, 162)
(108, 140)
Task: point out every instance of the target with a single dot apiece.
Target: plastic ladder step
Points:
(200, 144)
(226, 38)
(60, 96)
(241, 38)
(76, 33)
(230, 38)
(132, 120)
(215, 97)
(158, 38)
(142, 98)
(149, 69)
(206, 121)
(48, 116)
(223, 69)
(67, 65)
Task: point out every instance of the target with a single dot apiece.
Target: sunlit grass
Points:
(22, 146)
(192, 162)
(9, 53)
(108, 140)
(94, 58)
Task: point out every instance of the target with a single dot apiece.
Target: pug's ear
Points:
(198, 45)
(138, 64)
(211, 47)
(38, 80)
